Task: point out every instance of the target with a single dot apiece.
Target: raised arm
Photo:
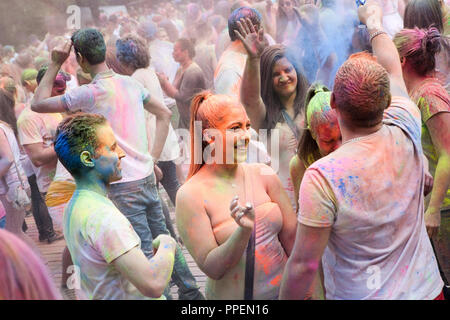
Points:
(194, 226)
(383, 48)
(42, 101)
(254, 43)
(149, 277)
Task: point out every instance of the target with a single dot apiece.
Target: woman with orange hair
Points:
(212, 222)
(23, 275)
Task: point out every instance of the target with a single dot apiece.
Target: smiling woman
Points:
(274, 95)
(212, 219)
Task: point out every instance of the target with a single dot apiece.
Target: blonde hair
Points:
(209, 109)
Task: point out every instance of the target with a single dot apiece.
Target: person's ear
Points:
(86, 159)
(333, 101)
(403, 61)
(207, 136)
(79, 58)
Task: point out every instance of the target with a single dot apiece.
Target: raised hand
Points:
(252, 38)
(61, 52)
(244, 216)
(371, 15)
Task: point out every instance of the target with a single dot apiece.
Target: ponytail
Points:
(317, 97)
(195, 106)
(420, 47)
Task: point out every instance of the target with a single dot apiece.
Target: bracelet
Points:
(373, 35)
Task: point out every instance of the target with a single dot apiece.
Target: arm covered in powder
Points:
(254, 43)
(195, 229)
(383, 48)
(42, 100)
(150, 277)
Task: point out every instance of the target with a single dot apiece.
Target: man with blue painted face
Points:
(121, 100)
(103, 245)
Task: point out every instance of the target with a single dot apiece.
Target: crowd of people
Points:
(304, 146)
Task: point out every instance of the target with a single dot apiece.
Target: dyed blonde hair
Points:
(209, 109)
(23, 276)
(362, 90)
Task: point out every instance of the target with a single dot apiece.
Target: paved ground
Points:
(52, 254)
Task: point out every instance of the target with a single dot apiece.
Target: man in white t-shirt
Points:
(103, 245)
(361, 209)
(122, 100)
(36, 134)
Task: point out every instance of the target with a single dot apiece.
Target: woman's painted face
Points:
(108, 155)
(234, 128)
(328, 137)
(284, 78)
(59, 86)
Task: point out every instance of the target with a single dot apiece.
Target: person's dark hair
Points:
(132, 50)
(362, 90)
(242, 13)
(186, 44)
(423, 14)
(75, 134)
(7, 113)
(420, 47)
(307, 149)
(272, 102)
(90, 44)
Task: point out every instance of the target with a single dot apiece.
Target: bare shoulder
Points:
(191, 191)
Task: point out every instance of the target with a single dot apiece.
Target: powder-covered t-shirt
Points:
(120, 99)
(96, 234)
(370, 192)
(432, 99)
(188, 83)
(34, 128)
